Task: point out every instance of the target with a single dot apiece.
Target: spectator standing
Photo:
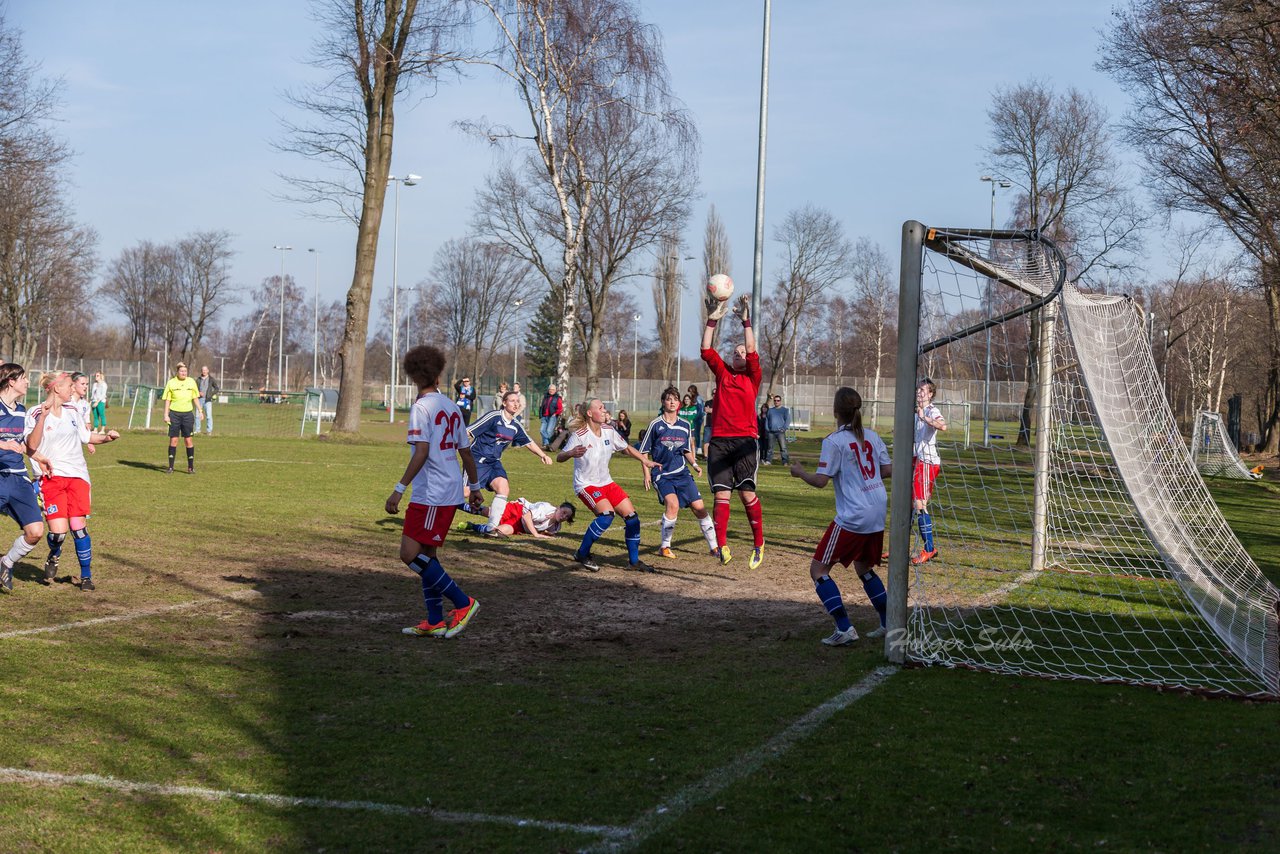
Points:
(208, 388)
(501, 393)
(777, 421)
(699, 418)
(762, 421)
(623, 425)
(98, 402)
(550, 410)
(523, 402)
(688, 411)
(465, 399)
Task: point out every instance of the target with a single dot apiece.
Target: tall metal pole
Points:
(986, 381)
(515, 361)
(315, 327)
(757, 268)
(395, 309)
(635, 361)
(679, 320)
(280, 348)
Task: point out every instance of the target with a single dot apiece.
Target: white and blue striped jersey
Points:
(667, 444)
(493, 434)
(13, 425)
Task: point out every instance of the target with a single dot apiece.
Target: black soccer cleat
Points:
(6, 577)
(641, 566)
(587, 563)
(86, 584)
(50, 569)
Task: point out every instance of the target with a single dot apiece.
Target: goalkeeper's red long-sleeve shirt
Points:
(735, 402)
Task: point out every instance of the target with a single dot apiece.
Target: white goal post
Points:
(1213, 451)
(1090, 548)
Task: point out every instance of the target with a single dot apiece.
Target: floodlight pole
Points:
(757, 268)
(280, 349)
(679, 320)
(408, 180)
(635, 360)
(515, 359)
(315, 327)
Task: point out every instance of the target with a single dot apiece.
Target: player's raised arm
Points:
(743, 312)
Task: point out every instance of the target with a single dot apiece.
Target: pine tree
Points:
(543, 337)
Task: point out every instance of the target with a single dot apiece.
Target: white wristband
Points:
(399, 488)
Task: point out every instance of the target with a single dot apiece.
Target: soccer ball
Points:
(720, 287)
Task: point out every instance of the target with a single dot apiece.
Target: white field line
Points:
(50, 779)
(670, 810)
(132, 615)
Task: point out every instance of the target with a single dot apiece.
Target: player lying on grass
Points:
(539, 519)
(733, 454)
(668, 441)
(857, 460)
(490, 436)
(438, 438)
(591, 445)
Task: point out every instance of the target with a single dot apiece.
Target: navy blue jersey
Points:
(667, 444)
(493, 434)
(12, 425)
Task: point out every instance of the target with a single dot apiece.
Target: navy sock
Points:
(829, 593)
(84, 551)
(434, 576)
(926, 530)
(435, 604)
(172, 452)
(632, 529)
(594, 531)
(480, 527)
(55, 544)
(875, 592)
(191, 458)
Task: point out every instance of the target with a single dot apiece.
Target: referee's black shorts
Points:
(732, 462)
(181, 424)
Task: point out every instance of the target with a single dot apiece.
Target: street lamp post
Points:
(315, 327)
(515, 360)
(280, 348)
(986, 377)
(635, 361)
(679, 320)
(408, 180)
(283, 389)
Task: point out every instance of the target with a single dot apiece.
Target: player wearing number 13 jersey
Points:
(438, 437)
(857, 460)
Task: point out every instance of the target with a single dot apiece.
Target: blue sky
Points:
(877, 113)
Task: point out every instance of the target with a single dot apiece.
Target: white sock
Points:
(21, 548)
(668, 528)
(495, 509)
(709, 530)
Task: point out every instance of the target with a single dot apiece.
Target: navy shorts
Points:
(681, 485)
(18, 497)
(487, 473)
(181, 424)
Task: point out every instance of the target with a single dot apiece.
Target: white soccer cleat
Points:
(839, 638)
(877, 632)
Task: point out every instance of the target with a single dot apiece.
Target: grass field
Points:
(239, 682)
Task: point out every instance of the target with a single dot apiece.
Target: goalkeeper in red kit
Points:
(733, 453)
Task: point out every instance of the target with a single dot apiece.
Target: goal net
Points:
(1213, 451)
(1084, 544)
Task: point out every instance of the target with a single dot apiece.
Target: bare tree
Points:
(667, 288)
(46, 259)
(617, 339)
(717, 257)
(1206, 116)
(573, 63)
(876, 304)
(1057, 149)
(135, 286)
(204, 286)
(816, 256)
(376, 52)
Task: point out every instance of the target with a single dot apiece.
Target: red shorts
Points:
(923, 476)
(64, 497)
(611, 492)
(511, 515)
(844, 547)
(428, 523)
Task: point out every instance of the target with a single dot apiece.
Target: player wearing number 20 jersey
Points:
(438, 437)
(436, 419)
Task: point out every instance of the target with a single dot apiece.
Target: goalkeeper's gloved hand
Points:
(716, 308)
(742, 309)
